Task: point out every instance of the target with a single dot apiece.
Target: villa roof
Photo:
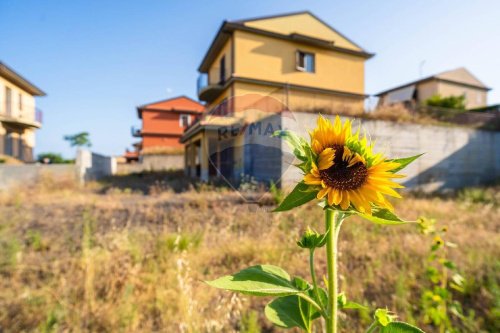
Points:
(460, 76)
(10, 75)
(327, 37)
(177, 104)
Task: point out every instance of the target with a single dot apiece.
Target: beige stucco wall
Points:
(304, 101)
(271, 59)
(474, 97)
(28, 109)
(29, 137)
(304, 24)
(213, 71)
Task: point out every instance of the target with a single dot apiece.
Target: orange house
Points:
(163, 122)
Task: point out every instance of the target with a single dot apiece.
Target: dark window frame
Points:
(300, 61)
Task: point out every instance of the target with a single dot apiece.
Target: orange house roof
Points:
(182, 104)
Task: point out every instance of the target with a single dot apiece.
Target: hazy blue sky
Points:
(98, 60)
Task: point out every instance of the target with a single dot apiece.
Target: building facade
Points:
(456, 82)
(163, 123)
(19, 117)
(293, 62)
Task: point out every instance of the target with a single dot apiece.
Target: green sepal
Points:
(301, 149)
(403, 162)
(311, 239)
(384, 317)
(344, 304)
(400, 327)
(261, 280)
(300, 195)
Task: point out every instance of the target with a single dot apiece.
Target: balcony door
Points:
(222, 70)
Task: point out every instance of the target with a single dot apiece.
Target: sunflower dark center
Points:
(340, 176)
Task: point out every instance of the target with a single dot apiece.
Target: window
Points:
(305, 62)
(8, 101)
(20, 101)
(222, 70)
(184, 120)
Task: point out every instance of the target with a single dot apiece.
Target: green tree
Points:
(78, 140)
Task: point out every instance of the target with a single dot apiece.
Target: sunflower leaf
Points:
(261, 280)
(400, 327)
(383, 216)
(404, 162)
(291, 311)
(300, 195)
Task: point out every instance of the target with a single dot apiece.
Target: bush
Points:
(52, 158)
(450, 102)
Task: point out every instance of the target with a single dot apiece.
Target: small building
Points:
(19, 117)
(456, 82)
(163, 123)
(284, 62)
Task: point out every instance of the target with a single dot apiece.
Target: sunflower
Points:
(346, 171)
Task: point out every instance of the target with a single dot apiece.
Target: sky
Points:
(97, 60)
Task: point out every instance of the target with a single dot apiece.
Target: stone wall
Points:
(454, 157)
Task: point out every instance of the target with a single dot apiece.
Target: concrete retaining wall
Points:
(15, 175)
(454, 157)
(151, 162)
(88, 166)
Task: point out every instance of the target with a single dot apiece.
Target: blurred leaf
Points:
(384, 317)
(300, 195)
(354, 306)
(404, 162)
(261, 280)
(400, 327)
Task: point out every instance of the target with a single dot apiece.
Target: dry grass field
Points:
(130, 255)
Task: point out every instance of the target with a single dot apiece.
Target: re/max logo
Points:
(257, 128)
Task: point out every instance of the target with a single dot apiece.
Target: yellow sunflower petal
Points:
(311, 179)
(345, 202)
(323, 192)
(325, 159)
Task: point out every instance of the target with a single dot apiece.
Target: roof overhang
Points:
(227, 28)
(10, 75)
(140, 110)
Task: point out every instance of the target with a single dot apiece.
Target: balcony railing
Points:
(135, 132)
(39, 116)
(209, 87)
(31, 117)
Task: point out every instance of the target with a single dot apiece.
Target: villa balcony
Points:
(24, 120)
(136, 133)
(208, 90)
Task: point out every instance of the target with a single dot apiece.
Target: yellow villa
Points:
(294, 62)
(19, 117)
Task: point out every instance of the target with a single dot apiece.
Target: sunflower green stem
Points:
(333, 221)
(314, 281)
(372, 327)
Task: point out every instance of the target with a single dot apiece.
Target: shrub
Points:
(52, 158)
(450, 102)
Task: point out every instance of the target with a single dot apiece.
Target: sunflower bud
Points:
(311, 239)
